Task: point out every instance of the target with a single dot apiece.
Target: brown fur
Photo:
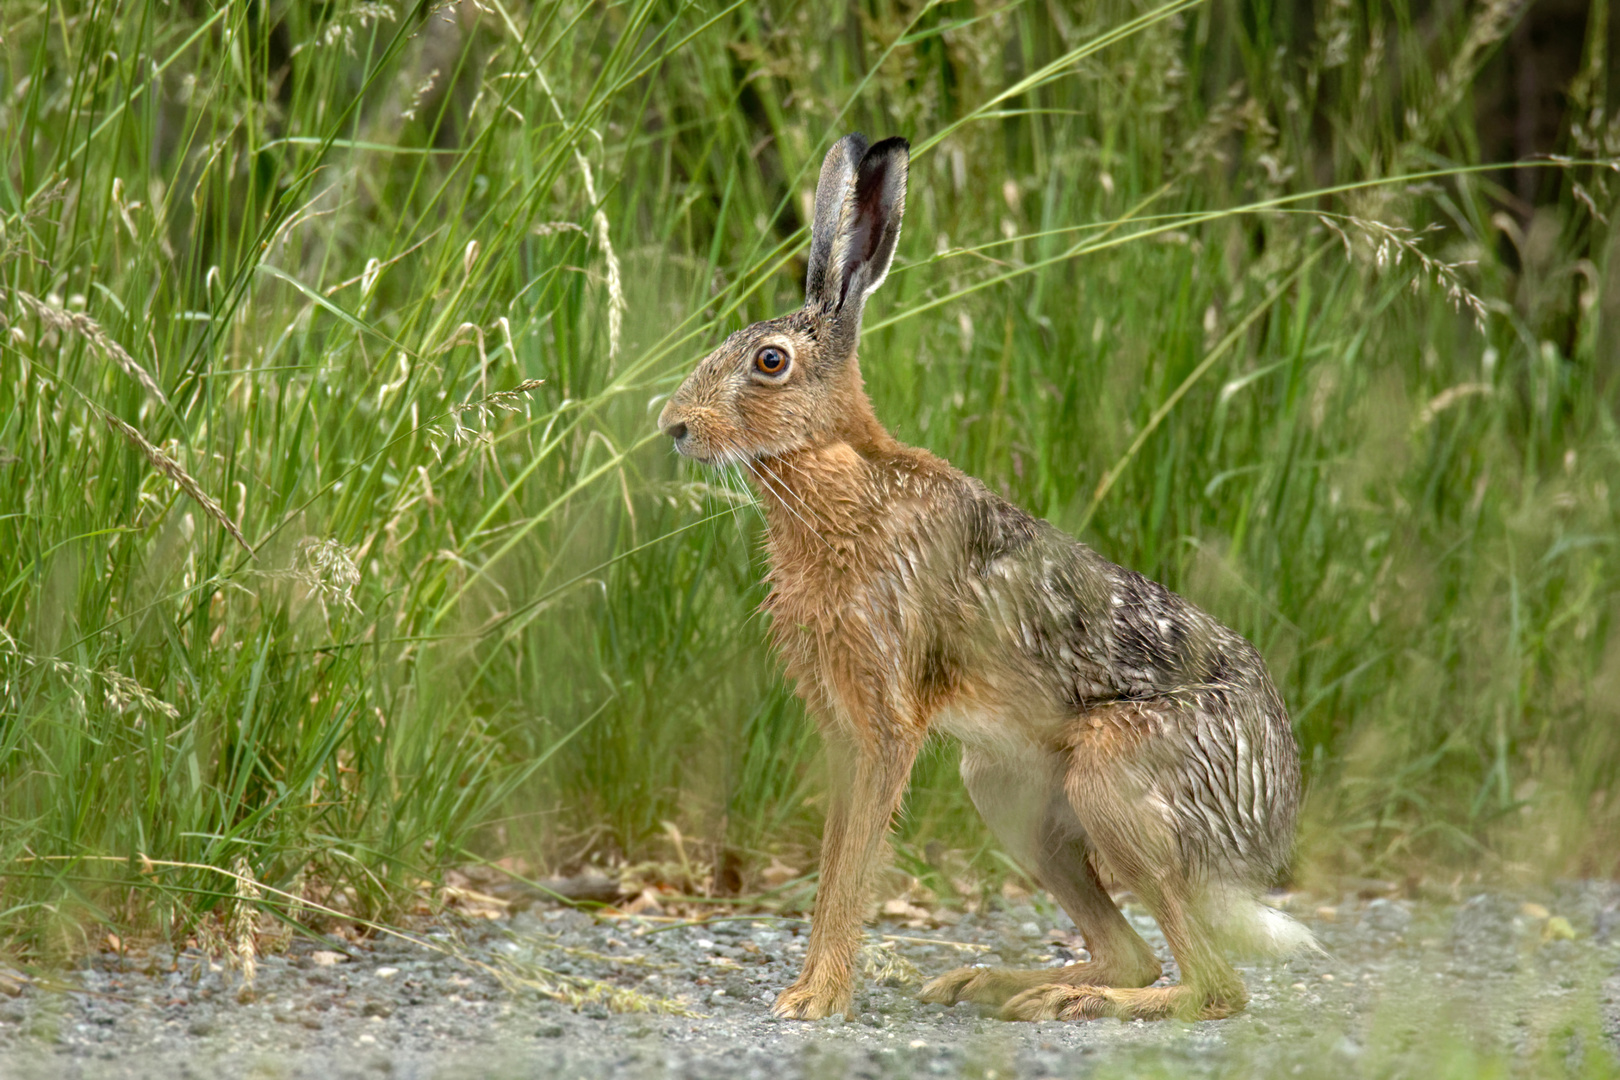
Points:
(1104, 719)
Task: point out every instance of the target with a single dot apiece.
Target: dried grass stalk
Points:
(615, 280)
(484, 408)
(92, 331)
(600, 226)
(882, 963)
(244, 919)
(1493, 21)
(1387, 244)
(501, 400)
(170, 468)
(14, 229)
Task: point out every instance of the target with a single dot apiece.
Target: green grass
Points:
(1140, 291)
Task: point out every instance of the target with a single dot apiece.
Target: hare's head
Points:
(791, 383)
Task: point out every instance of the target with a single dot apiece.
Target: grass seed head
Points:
(182, 479)
(328, 568)
(244, 919)
(91, 331)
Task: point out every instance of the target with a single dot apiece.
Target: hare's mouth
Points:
(722, 459)
(707, 454)
(692, 444)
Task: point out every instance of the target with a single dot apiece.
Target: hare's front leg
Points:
(867, 783)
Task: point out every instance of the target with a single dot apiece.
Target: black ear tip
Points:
(894, 144)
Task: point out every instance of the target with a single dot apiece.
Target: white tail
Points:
(1249, 927)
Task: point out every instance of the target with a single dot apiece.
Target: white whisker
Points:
(784, 486)
(735, 482)
(789, 463)
(759, 474)
(781, 487)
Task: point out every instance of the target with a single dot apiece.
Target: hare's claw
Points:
(947, 988)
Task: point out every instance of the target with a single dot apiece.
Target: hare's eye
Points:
(770, 361)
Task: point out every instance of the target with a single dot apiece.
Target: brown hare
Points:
(1103, 719)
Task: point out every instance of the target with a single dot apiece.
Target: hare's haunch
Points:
(1103, 718)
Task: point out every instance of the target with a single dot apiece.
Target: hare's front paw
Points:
(812, 998)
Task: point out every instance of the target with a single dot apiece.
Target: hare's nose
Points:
(676, 431)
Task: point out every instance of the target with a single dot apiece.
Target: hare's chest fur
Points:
(895, 611)
(846, 624)
(861, 607)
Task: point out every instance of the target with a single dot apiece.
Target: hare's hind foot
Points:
(981, 985)
(1061, 1002)
(995, 986)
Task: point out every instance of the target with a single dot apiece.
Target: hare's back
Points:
(1103, 632)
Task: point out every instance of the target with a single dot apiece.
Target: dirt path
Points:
(1407, 987)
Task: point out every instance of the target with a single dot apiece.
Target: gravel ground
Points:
(1405, 987)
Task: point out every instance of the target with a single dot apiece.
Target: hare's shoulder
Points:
(953, 512)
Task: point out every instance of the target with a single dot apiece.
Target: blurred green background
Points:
(1243, 293)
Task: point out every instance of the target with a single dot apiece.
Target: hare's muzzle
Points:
(672, 422)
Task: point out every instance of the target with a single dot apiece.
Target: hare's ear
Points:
(837, 174)
(862, 246)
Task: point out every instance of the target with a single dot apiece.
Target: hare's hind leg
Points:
(1111, 766)
(1022, 799)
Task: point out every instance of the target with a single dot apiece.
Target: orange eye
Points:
(770, 361)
